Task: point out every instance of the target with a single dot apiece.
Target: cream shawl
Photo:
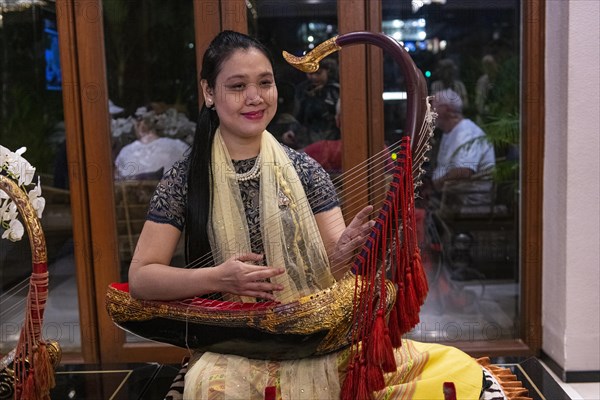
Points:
(289, 230)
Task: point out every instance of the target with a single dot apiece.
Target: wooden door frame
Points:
(77, 172)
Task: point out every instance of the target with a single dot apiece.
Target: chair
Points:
(480, 236)
(132, 198)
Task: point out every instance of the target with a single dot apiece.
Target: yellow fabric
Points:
(427, 366)
(289, 230)
(422, 370)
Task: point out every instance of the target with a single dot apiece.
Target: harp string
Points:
(356, 184)
(353, 182)
(353, 179)
(11, 308)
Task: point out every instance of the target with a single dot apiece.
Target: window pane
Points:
(151, 74)
(469, 198)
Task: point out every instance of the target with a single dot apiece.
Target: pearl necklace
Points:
(252, 173)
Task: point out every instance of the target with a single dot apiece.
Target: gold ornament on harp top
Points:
(310, 61)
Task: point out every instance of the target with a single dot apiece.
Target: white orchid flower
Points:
(15, 231)
(3, 207)
(10, 212)
(20, 168)
(17, 168)
(4, 154)
(36, 200)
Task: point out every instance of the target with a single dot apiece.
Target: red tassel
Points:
(422, 286)
(375, 350)
(362, 391)
(394, 331)
(29, 388)
(375, 381)
(380, 347)
(402, 311)
(270, 393)
(449, 391)
(388, 363)
(412, 304)
(44, 372)
(348, 387)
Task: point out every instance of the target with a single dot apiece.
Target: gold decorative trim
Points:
(310, 61)
(329, 311)
(54, 352)
(7, 380)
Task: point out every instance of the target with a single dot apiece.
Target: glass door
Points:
(470, 196)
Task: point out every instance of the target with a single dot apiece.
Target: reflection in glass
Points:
(151, 74)
(468, 225)
(31, 111)
(307, 115)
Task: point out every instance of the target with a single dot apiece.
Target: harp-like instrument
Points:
(27, 372)
(366, 300)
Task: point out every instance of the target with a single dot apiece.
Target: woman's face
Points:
(245, 95)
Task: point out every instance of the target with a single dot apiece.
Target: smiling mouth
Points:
(254, 114)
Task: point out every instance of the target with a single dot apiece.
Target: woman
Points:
(296, 244)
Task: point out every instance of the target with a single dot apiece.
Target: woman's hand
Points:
(352, 237)
(238, 276)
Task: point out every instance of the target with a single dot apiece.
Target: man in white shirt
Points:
(465, 158)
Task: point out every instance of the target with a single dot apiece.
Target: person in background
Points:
(315, 104)
(465, 158)
(328, 153)
(447, 78)
(150, 155)
(284, 126)
(485, 86)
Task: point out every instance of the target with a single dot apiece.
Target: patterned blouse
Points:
(168, 203)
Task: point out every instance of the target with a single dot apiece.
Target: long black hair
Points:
(200, 174)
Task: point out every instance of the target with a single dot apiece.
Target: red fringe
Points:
(422, 286)
(396, 226)
(380, 351)
(43, 371)
(29, 388)
(349, 388)
(375, 381)
(388, 363)
(362, 390)
(394, 330)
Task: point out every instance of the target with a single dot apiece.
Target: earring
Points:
(209, 103)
